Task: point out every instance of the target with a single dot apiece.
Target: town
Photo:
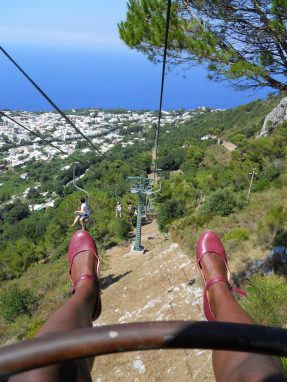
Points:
(104, 128)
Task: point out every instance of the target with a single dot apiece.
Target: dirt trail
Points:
(229, 146)
(153, 286)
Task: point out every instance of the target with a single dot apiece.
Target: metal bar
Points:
(108, 339)
(137, 245)
(79, 188)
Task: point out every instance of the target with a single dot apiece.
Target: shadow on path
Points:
(111, 279)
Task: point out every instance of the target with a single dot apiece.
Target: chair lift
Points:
(82, 190)
(151, 196)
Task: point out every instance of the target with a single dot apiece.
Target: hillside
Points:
(206, 157)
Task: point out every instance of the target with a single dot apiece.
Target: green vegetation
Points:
(266, 302)
(272, 229)
(220, 202)
(238, 234)
(204, 186)
(219, 34)
(14, 302)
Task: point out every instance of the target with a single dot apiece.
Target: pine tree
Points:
(242, 41)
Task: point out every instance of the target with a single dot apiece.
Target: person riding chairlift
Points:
(118, 209)
(81, 215)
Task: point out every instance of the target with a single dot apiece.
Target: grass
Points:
(266, 302)
(216, 154)
(49, 282)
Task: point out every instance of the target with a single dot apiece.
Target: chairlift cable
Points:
(162, 85)
(51, 102)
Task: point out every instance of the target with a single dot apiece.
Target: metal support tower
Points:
(141, 186)
(137, 244)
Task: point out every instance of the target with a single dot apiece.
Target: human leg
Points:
(76, 220)
(76, 313)
(231, 366)
(82, 222)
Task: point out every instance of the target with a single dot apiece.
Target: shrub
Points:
(269, 174)
(237, 234)
(271, 229)
(14, 302)
(16, 212)
(266, 301)
(220, 202)
(119, 227)
(17, 257)
(33, 194)
(54, 236)
(170, 210)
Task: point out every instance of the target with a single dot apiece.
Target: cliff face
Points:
(277, 116)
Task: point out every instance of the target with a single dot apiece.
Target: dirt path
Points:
(153, 286)
(229, 146)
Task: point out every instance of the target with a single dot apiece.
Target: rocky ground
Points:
(147, 287)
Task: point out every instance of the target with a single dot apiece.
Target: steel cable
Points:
(50, 101)
(155, 152)
(42, 138)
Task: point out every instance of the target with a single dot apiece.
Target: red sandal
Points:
(210, 242)
(80, 242)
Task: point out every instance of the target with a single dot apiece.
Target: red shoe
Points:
(82, 241)
(210, 242)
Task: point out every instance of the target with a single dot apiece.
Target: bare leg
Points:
(235, 366)
(76, 220)
(82, 223)
(76, 313)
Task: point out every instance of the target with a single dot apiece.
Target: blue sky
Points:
(90, 23)
(72, 50)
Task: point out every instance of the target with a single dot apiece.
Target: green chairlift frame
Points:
(79, 188)
(141, 186)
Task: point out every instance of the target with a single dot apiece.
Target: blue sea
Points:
(105, 78)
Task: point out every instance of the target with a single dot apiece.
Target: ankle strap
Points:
(239, 291)
(216, 280)
(80, 278)
(233, 288)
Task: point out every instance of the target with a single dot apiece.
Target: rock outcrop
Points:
(274, 263)
(277, 116)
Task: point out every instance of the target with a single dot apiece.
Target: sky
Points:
(72, 50)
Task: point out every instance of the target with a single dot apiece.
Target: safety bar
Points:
(81, 343)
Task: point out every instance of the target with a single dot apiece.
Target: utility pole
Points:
(253, 173)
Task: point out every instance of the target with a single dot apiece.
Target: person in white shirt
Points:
(119, 209)
(82, 214)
